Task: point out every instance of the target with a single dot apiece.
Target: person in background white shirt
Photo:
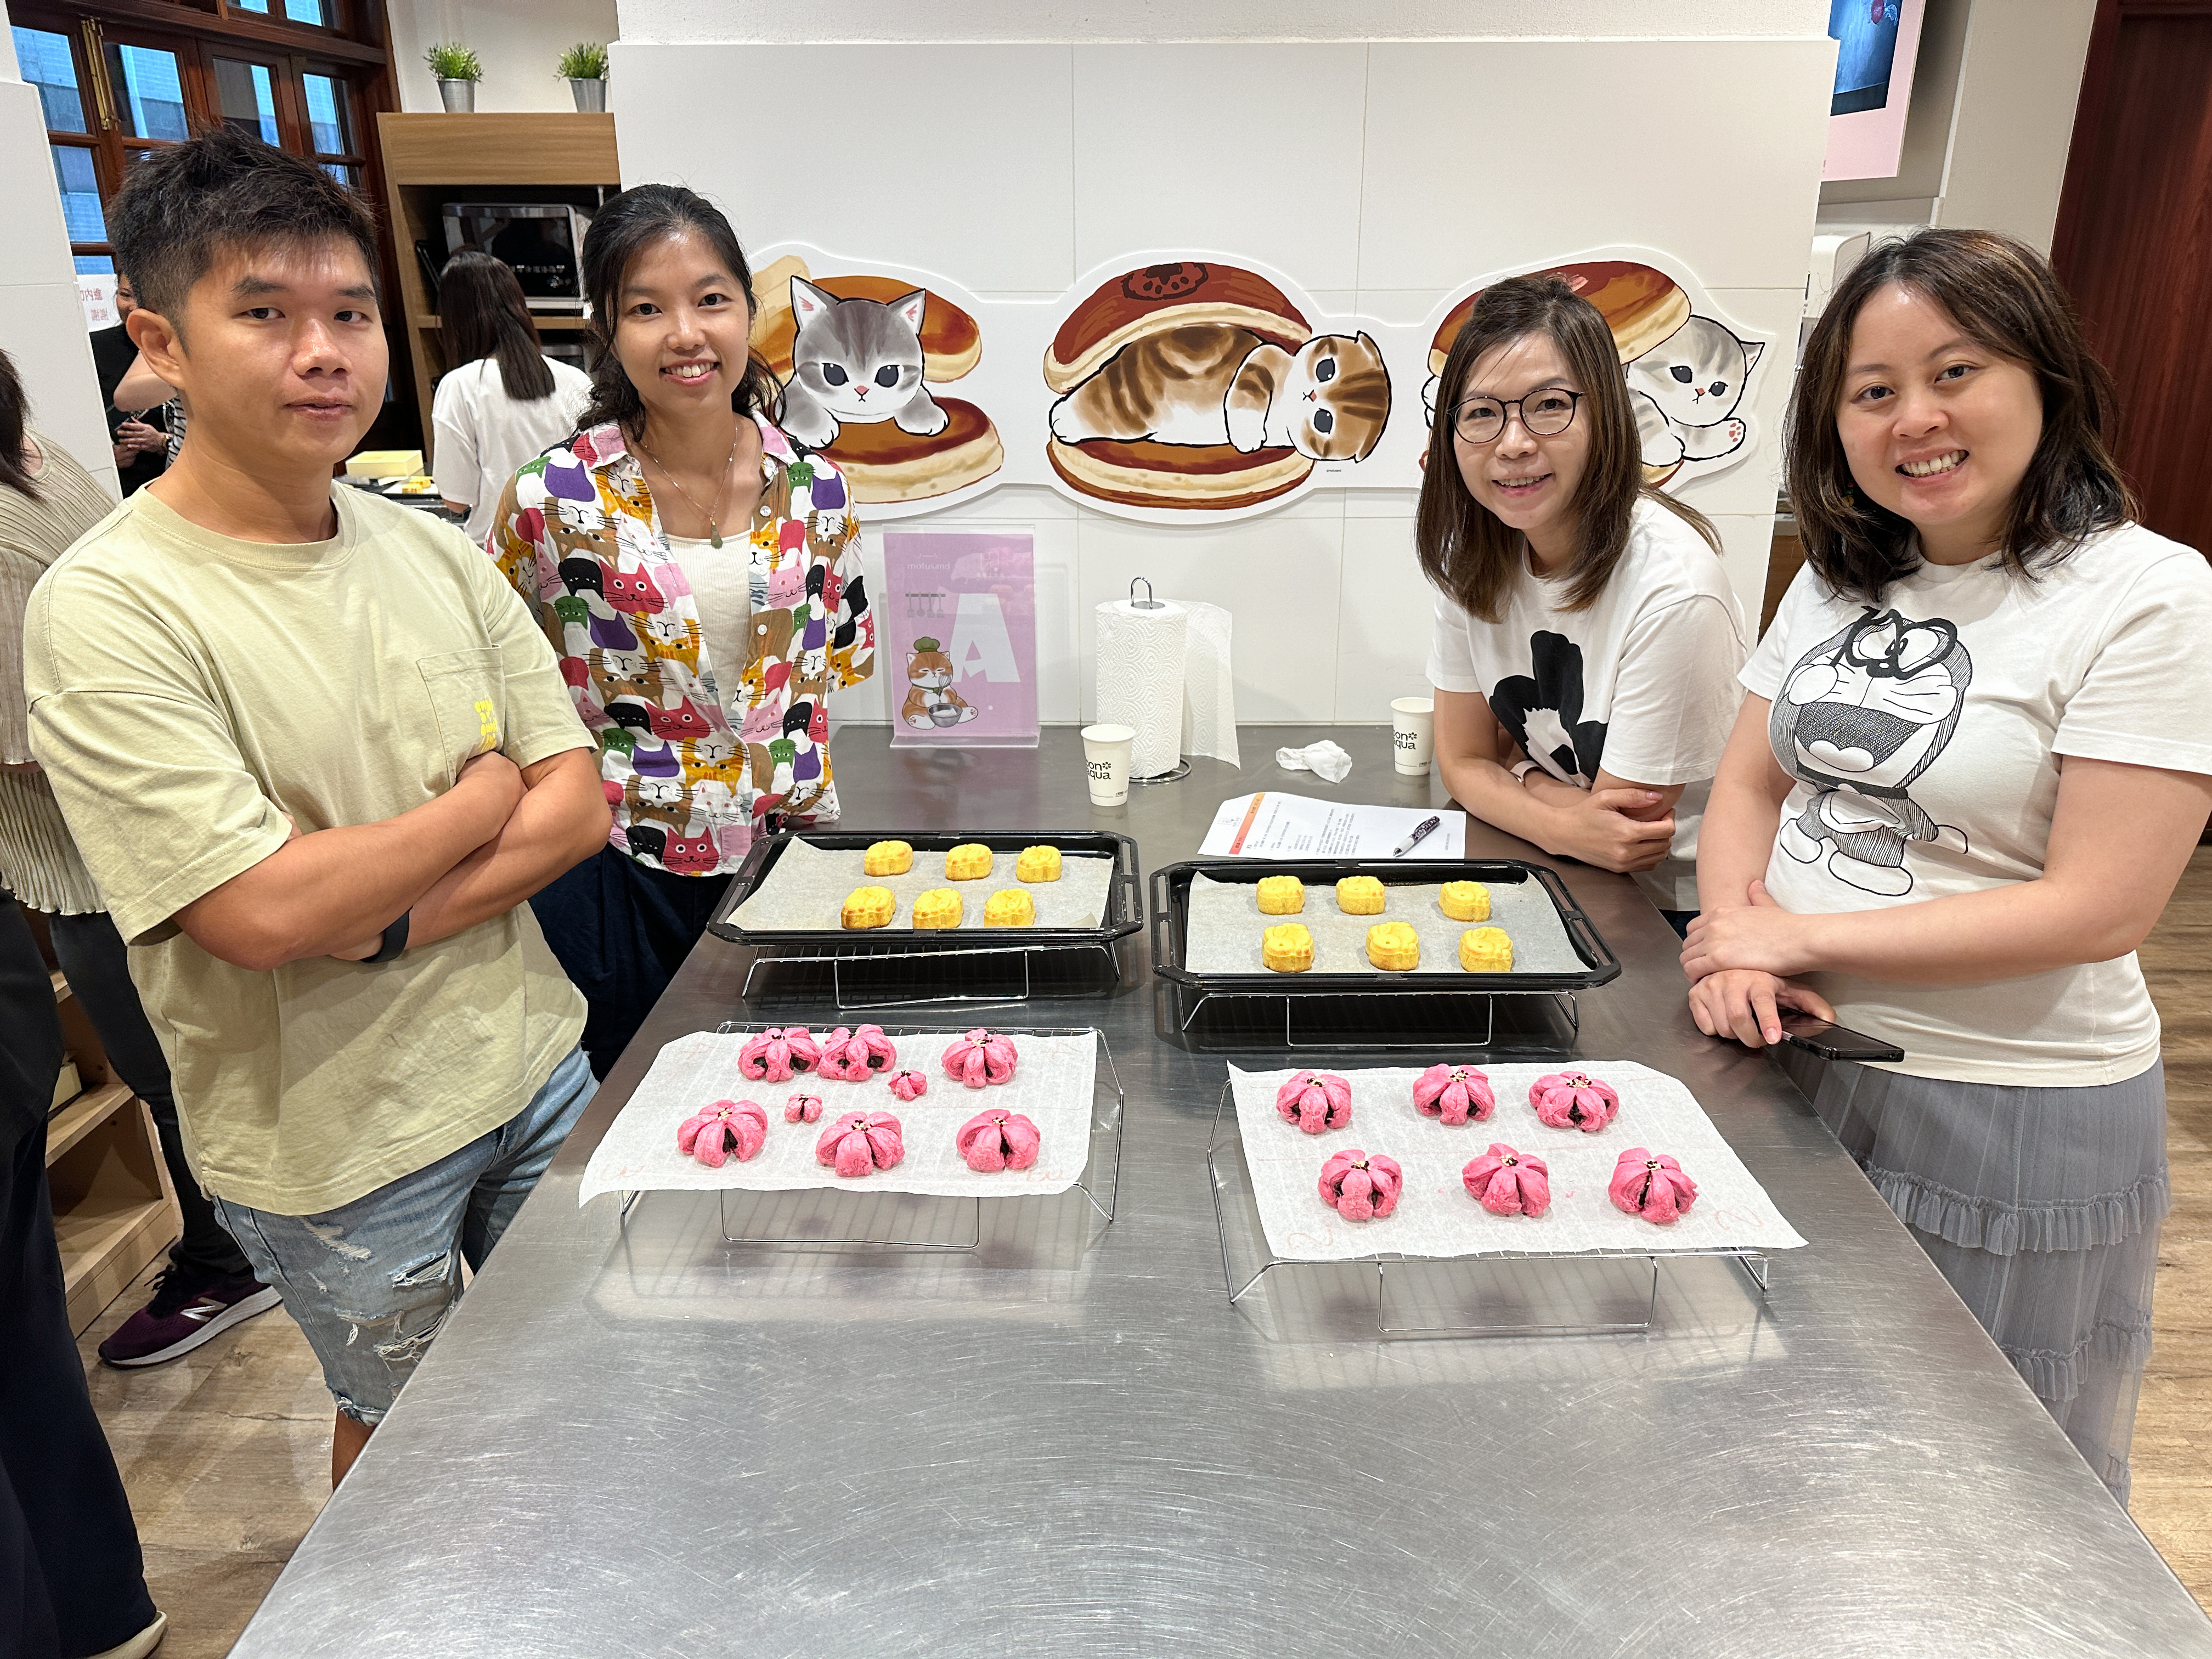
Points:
(505, 402)
(1971, 766)
(1586, 640)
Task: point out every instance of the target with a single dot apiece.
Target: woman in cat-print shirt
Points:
(1971, 767)
(700, 577)
(1586, 640)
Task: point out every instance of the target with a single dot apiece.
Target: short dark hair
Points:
(2004, 297)
(480, 302)
(620, 230)
(185, 204)
(1467, 551)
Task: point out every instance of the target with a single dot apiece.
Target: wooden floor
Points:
(227, 1451)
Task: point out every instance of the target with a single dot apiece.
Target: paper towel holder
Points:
(1182, 768)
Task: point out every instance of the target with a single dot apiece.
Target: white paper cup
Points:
(1412, 734)
(1106, 750)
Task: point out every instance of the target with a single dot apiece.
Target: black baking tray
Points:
(1124, 903)
(1171, 916)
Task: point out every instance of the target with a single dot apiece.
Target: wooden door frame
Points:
(2089, 110)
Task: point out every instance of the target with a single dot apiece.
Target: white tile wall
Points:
(1377, 177)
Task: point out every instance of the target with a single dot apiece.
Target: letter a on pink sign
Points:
(960, 612)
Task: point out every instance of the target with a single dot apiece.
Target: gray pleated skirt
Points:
(2040, 1205)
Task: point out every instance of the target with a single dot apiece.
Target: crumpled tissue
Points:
(1324, 759)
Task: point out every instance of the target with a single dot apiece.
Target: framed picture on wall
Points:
(1877, 45)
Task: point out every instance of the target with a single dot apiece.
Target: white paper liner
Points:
(808, 887)
(1052, 1086)
(1436, 1217)
(1221, 934)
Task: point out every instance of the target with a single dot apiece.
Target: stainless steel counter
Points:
(655, 1443)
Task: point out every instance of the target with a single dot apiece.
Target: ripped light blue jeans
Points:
(370, 1282)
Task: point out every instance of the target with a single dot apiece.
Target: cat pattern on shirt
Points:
(1859, 717)
(1543, 709)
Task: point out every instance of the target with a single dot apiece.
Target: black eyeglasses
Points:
(1546, 413)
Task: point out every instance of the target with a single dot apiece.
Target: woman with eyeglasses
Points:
(1971, 767)
(1586, 639)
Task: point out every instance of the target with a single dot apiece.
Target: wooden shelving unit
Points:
(114, 1210)
(430, 159)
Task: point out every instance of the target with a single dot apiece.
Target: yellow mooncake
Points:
(887, 858)
(1486, 951)
(1394, 947)
(1359, 895)
(970, 861)
(1281, 895)
(940, 907)
(1010, 907)
(868, 907)
(1465, 901)
(1287, 948)
(1037, 864)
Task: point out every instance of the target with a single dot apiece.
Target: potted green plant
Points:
(584, 67)
(457, 72)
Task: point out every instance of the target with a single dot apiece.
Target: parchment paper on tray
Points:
(1222, 935)
(1052, 1086)
(1435, 1218)
(808, 885)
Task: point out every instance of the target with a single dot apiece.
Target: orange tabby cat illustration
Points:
(1205, 384)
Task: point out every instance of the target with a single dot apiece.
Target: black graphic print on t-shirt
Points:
(1545, 712)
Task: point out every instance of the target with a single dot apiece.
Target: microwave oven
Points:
(541, 240)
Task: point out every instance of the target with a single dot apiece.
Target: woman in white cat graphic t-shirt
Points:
(1972, 765)
(1586, 640)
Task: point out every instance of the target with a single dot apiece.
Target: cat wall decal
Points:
(860, 357)
(856, 360)
(1687, 389)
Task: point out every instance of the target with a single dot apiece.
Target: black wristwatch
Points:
(395, 941)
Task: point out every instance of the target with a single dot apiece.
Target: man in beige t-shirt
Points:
(316, 753)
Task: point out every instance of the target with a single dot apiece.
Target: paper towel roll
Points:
(1209, 686)
(1140, 675)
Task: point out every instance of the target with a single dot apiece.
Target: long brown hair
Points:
(2004, 297)
(620, 230)
(15, 419)
(480, 302)
(1468, 552)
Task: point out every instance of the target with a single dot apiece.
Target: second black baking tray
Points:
(1171, 915)
(1125, 905)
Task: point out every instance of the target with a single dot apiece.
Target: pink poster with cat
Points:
(959, 629)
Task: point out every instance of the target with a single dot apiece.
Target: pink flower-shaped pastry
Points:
(1507, 1182)
(803, 1109)
(1456, 1094)
(860, 1141)
(910, 1086)
(1573, 1100)
(1316, 1101)
(852, 1056)
(717, 1131)
(776, 1056)
(1652, 1185)
(1361, 1186)
(991, 1141)
(980, 1057)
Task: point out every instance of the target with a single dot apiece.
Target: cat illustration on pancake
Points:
(856, 360)
(1192, 386)
(1686, 390)
(1860, 716)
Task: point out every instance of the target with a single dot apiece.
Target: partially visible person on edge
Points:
(46, 501)
(1971, 766)
(139, 437)
(71, 1578)
(701, 577)
(504, 402)
(315, 754)
(1586, 639)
